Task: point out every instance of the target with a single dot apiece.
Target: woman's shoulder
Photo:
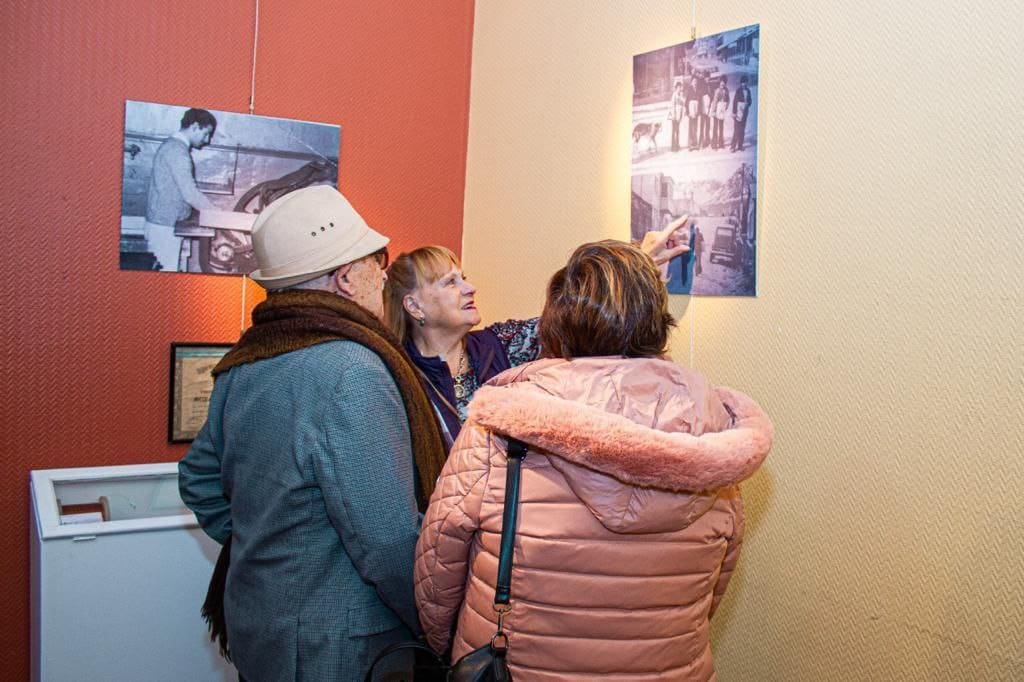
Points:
(665, 433)
(518, 337)
(508, 329)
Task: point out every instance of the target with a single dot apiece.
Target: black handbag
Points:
(486, 664)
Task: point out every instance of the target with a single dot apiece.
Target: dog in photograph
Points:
(649, 131)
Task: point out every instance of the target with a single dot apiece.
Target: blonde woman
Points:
(431, 306)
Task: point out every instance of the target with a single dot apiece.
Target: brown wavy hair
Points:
(608, 300)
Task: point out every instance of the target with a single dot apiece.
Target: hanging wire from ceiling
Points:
(255, 43)
(252, 109)
(692, 314)
(692, 308)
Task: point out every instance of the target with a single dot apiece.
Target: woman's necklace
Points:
(460, 390)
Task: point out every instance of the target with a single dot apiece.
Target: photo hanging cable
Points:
(255, 42)
(693, 314)
(252, 108)
(692, 307)
(241, 321)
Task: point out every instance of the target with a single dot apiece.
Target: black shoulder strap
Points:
(516, 452)
(502, 593)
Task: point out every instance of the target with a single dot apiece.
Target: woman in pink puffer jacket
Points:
(630, 517)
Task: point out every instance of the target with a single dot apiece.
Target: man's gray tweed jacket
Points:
(305, 460)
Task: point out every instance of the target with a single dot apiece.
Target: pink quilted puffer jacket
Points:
(617, 567)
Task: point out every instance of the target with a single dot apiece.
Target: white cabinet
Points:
(118, 578)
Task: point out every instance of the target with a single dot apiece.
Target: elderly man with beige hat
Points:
(319, 450)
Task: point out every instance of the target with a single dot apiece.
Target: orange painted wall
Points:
(83, 353)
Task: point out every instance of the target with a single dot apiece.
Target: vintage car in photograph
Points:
(724, 248)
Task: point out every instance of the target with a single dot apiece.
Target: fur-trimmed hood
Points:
(646, 423)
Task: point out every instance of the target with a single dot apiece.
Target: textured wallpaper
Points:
(83, 345)
(883, 536)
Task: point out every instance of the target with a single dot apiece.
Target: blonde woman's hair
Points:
(424, 265)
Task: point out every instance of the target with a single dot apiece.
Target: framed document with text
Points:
(191, 385)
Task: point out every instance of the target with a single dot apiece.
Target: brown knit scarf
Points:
(294, 319)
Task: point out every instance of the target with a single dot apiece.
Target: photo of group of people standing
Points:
(702, 96)
(704, 102)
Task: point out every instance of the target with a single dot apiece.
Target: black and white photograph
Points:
(194, 180)
(695, 153)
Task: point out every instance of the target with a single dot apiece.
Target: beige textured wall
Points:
(885, 531)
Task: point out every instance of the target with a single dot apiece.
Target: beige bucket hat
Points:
(308, 233)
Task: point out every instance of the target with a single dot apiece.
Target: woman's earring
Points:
(422, 321)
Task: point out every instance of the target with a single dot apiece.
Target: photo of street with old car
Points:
(694, 137)
(194, 180)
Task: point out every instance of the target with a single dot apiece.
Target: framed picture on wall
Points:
(190, 387)
(695, 153)
(193, 180)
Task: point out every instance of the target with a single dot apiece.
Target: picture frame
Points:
(695, 153)
(191, 384)
(242, 164)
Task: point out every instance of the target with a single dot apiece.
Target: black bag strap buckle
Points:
(500, 640)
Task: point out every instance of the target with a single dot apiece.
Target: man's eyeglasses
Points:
(382, 258)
